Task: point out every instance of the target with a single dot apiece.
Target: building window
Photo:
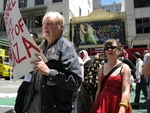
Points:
(5, 1)
(25, 20)
(141, 3)
(139, 26)
(146, 25)
(22, 3)
(39, 2)
(54, 1)
(2, 25)
(142, 25)
(38, 21)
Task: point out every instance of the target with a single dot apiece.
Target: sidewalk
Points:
(142, 109)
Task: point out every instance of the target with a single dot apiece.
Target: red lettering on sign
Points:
(13, 58)
(6, 20)
(9, 6)
(20, 23)
(17, 58)
(10, 29)
(16, 29)
(28, 45)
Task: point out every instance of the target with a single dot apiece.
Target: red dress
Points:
(109, 98)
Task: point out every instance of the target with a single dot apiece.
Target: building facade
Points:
(33, 11)
(97, 4)
(115, 7)
(137, 21)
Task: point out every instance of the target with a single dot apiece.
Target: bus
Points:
(5, 68)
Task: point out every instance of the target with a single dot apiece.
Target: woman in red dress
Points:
(115, 93)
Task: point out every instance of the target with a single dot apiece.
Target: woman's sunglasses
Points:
(110, 47)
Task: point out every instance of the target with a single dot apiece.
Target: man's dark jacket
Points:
(65, 74)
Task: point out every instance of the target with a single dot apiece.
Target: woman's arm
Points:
(126, 77)
(146, 68)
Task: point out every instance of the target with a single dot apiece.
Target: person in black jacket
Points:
(84, 102)
(53, 82)
(131, 65)
(91, 80)
(124, 59)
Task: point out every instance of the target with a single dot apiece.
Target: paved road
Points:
(8, 92)
(142, 100)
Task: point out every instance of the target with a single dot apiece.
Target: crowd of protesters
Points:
(74, 82)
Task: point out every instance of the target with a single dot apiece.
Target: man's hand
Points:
(136, 80)
(40, 65)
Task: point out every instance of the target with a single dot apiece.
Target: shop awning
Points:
(4, 42)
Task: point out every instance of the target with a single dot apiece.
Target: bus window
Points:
(6, 60)
(1, 60)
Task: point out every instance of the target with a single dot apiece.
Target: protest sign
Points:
(23, 47)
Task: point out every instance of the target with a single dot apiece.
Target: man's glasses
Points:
(110, 47)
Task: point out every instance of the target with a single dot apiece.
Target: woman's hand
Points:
(40, 65)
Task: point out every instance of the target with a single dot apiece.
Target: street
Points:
(142, 100)
(8, 92)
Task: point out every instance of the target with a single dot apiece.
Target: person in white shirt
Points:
(140, 83)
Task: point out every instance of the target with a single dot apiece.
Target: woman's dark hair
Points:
(112, 41)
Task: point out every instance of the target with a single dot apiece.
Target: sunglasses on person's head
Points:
(110, 47)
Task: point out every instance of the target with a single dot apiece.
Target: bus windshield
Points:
(6, 60)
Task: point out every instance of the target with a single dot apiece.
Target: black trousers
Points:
(84, 101)
(140, 86)
(20, 96)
